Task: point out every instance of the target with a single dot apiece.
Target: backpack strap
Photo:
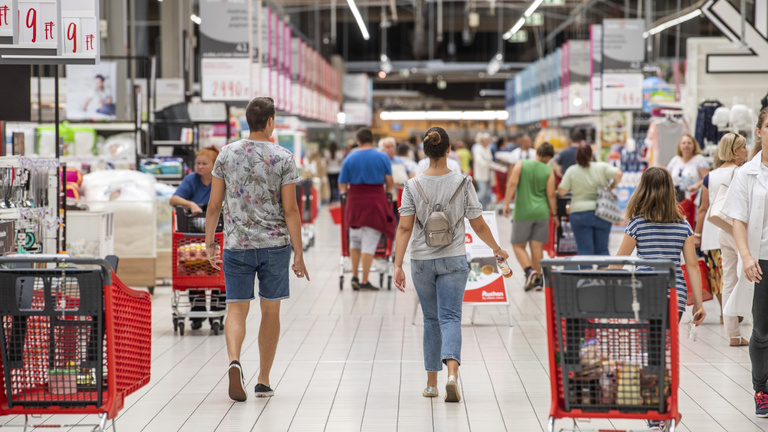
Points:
(421, 191)
(453, 198)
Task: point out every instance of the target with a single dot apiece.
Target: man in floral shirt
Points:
(255, 180)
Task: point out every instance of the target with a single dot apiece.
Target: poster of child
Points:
(91, 91)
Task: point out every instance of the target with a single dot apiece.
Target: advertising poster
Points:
(91, 91)
(224, 64)
(596, 66)
(256, 48)
(622, 59)
(579, 92)
(358, 99)
(614, 128)
(485, 284)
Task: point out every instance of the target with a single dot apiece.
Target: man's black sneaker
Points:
(530, 280)
(368, 286)
(538, 284)
(263, 391)
(355, 282)
(237, 382)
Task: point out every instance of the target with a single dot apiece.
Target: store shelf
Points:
(171, 143)
(169, 177)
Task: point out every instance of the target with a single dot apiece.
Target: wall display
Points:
(622, 58)
(91, 91)
(485, 283)
(225, 66)
(728, 19)
(596, 66)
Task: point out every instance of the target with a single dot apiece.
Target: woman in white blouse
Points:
(688, 168)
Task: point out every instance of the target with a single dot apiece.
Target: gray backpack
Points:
(438, 229)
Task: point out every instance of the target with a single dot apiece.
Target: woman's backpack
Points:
(438, 229)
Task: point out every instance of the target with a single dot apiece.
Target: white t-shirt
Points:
(483, 162)
(516, 155)
(423, 165)
(684, 174)
(334, 165)
(709, 232)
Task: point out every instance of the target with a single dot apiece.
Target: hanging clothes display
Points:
(663, 136)
(706, 132)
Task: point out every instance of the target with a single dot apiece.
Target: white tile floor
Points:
(352, 361)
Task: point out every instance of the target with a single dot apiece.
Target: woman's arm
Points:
(694, 277)
(484, 232)
(700, 217)
(404, 231)
(627, 246)
(751, 266)
(187, 204)
(616, 178)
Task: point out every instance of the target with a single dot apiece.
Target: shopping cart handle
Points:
(106, 268)
(604, 261)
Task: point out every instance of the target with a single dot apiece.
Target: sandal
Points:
(740, 341)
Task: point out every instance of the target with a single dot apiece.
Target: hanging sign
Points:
(224, 66)
(728, 19)
(7, 20)
(485, 284)
(622, 59)
(596, 66)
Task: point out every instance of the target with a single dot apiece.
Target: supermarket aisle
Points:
(351, 361)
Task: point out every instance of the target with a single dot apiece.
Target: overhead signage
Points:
(535, 20)
(579, 65)
(728, 19)
(520, 37)
(224, 49)
(622, 58)
(49, 32)
(596, 67)
(485, 284)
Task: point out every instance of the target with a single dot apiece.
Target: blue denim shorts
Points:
(270, 264)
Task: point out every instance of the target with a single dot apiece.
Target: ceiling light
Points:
(359, 19)
(679, 20)
(495, 64)
(442, 84)
(577, 101)
(196, 19)
(341, 118)
(532, 8)
(515, 28)
(382, 74)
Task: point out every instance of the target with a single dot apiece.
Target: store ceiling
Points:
(421, 57)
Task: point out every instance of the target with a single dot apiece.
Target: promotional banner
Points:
(596, 66)
(485, 284)
(256, 48)
(358, 99)
(579, 92)
(225, 68)
(91, 91)
(622, 58)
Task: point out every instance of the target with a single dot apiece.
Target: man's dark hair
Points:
(577, 136)
(545, 150)
(403, 149)
(101, 77)
(258, 112)
(364, 136)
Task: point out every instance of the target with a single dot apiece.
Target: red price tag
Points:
(38, 23)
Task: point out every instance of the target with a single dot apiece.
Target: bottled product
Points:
(504, 268)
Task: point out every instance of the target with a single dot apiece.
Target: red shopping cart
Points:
(307, 198)
(383, 263)
(193, 274)
(75, 340)
(607, 358)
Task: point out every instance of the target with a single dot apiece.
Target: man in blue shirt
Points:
(366, 177)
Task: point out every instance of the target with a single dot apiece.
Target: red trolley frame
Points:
(383, 251)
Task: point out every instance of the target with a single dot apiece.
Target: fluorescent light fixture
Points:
(359, 19)
(532, 8)
(679, 20)
(341, 118)
(515, 28)
(196, 19)
(443, 115)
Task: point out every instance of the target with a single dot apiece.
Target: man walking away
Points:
(567, 157)
(255, 182)
(534, 182)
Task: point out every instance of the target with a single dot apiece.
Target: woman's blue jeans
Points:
(440, 286)
(591, 233)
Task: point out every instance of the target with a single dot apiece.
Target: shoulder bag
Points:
(716, 216)
(607, 204)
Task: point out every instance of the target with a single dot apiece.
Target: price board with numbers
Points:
(225, 64)
(622, 91)
(49, 32)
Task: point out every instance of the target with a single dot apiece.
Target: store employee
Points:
(195, 190)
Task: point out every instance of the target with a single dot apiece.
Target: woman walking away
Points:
(582, 180)
(747, 198)
(440, 271)
(717, 245)
(659, 230)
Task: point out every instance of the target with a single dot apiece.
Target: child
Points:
(659, 231)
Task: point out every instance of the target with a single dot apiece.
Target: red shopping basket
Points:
(706, 290)
(336, 213)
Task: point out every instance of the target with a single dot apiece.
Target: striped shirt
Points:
(662, 241)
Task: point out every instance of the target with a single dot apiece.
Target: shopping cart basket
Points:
(194, 275)
(75, 340)
(608, 359)
(307, 198)
(383, 262)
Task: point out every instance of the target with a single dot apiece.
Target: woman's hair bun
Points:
(433, 138)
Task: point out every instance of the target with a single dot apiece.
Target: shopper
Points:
(366, 176)
(400, 171)
(255, 181)
(333, 160)
(718, 246)
(533, 183)
(465, 157)
(567, 158)
(658, 229)
(483, 169)
(439, 273)
(425, 163)
(747, 198)
(524, 152)
(582, 180)
(193, 194)
(688, 168)
(404, 152)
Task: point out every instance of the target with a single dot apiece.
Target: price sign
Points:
(38, 24)
(225, 79)
(622, 91)
(7, 20)
(81, 36)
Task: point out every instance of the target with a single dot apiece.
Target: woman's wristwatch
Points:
(697, 234)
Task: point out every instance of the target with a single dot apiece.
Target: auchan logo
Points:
(493, 294)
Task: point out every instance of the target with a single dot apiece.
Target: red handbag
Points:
(706, 292)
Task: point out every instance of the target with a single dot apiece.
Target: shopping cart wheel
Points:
(389, 283)
(381, 279)
(175, 325)
(216, 327)
(341, 283)
(181, 328)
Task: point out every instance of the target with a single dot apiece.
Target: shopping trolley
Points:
(193, 274)
(307, 198)
(383, 261)
(561, 241)
(607, 358)
(75, 340)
